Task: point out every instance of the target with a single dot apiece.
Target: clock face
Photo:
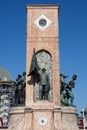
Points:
(42, 22)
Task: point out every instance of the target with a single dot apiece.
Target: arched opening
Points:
(44, 60)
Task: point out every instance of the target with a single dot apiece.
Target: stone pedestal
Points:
(43, 116)
(69, 118)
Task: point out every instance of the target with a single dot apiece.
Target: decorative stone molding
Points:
(42, 121)
(42, 22)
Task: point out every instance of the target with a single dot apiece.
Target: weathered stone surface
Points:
(47, 52)
(69, 118)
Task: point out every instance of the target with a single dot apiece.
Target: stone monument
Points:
(43, 105)
(47, 105)
(44, 109)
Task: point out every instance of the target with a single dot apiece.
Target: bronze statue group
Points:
(40, 76)
(66, 87)
(67, 96)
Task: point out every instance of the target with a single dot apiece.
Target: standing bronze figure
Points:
(44, 85)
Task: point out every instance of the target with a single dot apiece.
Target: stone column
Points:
(43, 36)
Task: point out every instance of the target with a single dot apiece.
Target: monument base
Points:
(43, 116)
(69, 118)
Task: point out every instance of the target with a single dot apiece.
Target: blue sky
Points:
(73, 40)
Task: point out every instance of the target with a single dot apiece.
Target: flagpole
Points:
(83, 117)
